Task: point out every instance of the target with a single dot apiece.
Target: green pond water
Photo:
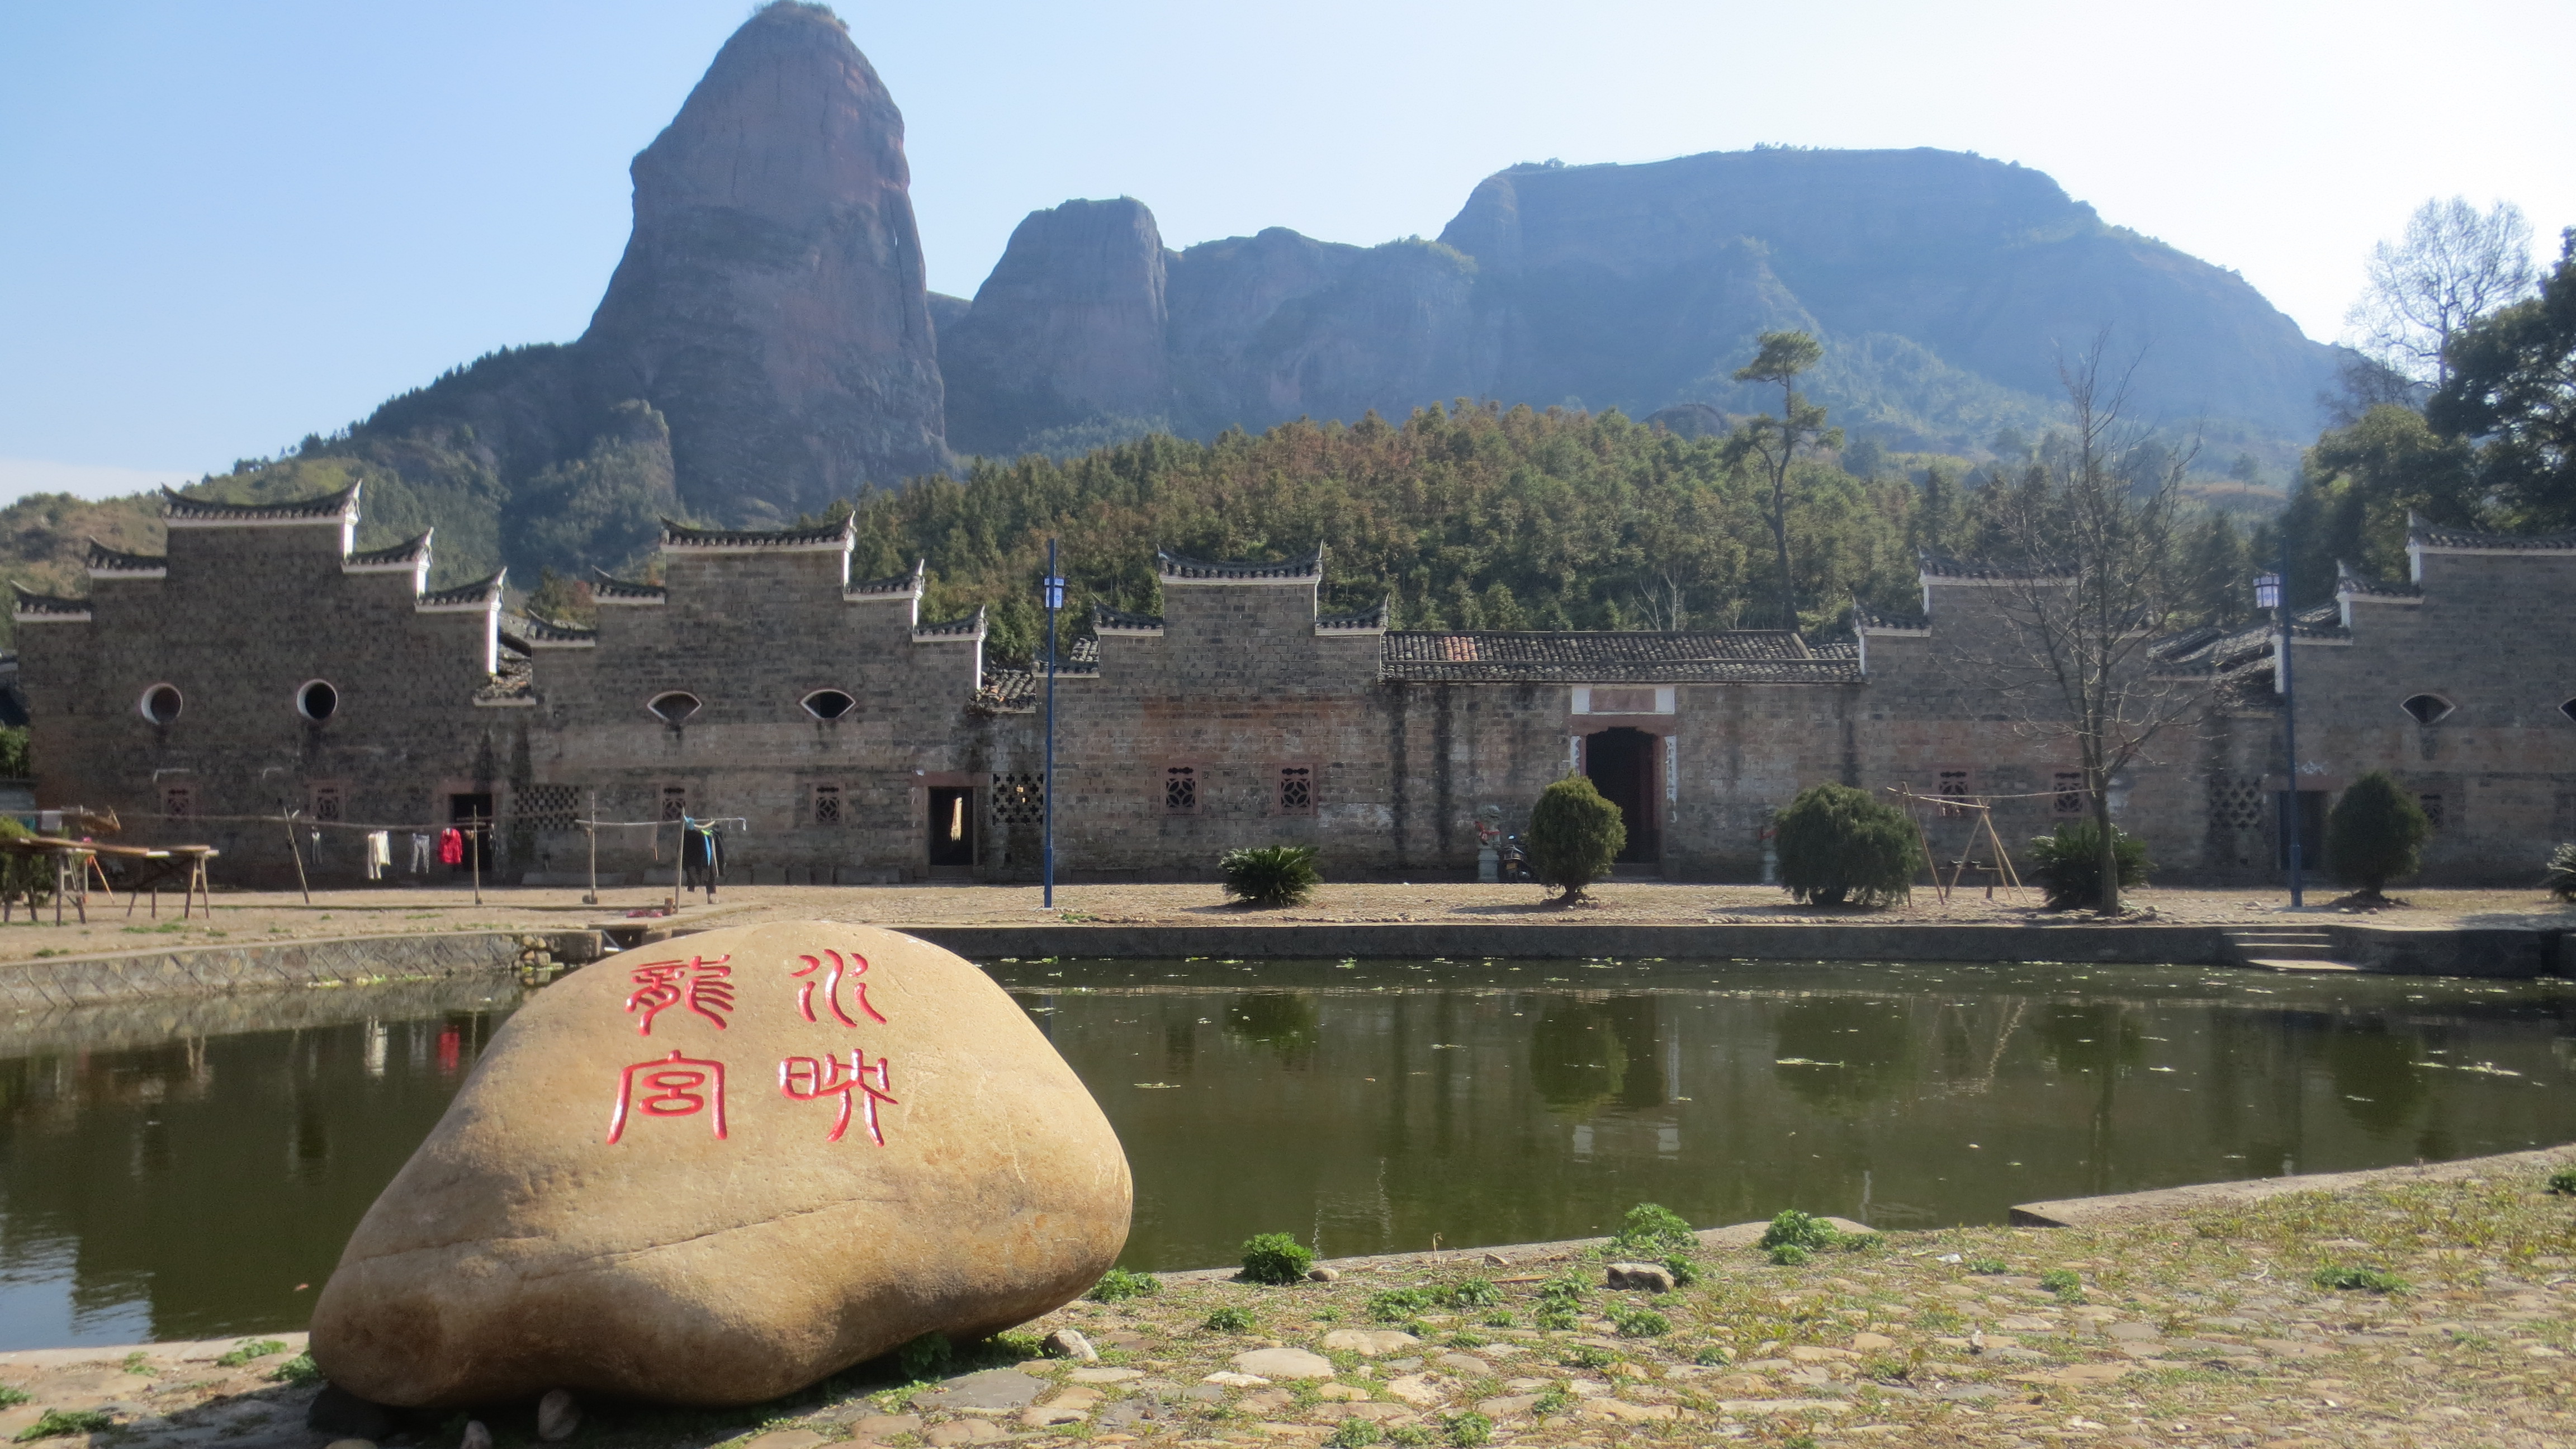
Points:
(191, 1170)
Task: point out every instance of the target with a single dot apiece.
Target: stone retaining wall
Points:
(214, 970)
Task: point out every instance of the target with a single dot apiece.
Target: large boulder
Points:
(715, 1170)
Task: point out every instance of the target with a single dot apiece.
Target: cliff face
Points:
(1946, 287)
(771, 303)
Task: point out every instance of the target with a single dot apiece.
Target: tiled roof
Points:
(972, 626)
(542, 633)
(406, 554)
(2360, 586)
(1193, 570)
(897, 586)
(32, 605)
(1119, 621)
(607, 588)
(1865, 617)
(464, 596)
(179, 508)
(1935, 566)
(105, 562)
(1366, 621)
(1749, 656)
(2420, 534)
(830, 535)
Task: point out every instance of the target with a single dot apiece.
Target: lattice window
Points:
(1019, 799)
(1180, 789)
(546, 807)
(1952, 785)
(1296, 789)
(327, 803)
(2237, 804)
(2432, 807)
(2069, 799)
(827, 806)
(675, 801)
(179, 802)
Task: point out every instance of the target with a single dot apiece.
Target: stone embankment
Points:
(2412, 1307)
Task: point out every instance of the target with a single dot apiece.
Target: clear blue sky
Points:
(225, 225)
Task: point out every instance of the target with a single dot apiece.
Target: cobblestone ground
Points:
(280, 915)
(2215, 1328)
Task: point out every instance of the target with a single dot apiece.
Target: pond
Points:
(191, 1171)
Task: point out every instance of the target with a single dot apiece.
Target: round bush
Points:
(2375, 833)
(1839, 844)
(1276, 1259)
(1270, 875)
(2067, 863)
(1574, 834)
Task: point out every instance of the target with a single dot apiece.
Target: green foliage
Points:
(1684, 1275)
(1652, 1230)
(2509, 389)
(1988, 1266)
(297, 1370)
(1640, 1322)
(140, 1363)
(2560, 878)
(248, 1349)
(1837, 843)
(1353, 1434)
(1119, 1283)
(1791, 1228)
(2563, 1182)
(2067, 862)
(1559, 1301)
(1270, 875)
(1276, 1259)
(1469, 1294)
(1574, 835)
(2375, 833)
(11, 1398)
(13, 752)
(1790, 1255)
(1554, 1401)
(58, 1423)
(1397, 1305)
(1229, 1319)
(925, 1357)
(2362, 1280)
(2064, 1284)
(1468, 1429)
(1589, 1356)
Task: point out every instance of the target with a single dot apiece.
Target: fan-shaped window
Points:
(317, 701)
(829, 704)
(2568, 709)
(161, 703)
(2426, 708)
(674, 707)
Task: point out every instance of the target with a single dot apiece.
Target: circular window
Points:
(162, 703)
(317, 701)
(673, 707)
(829, 704)
(2426, 708)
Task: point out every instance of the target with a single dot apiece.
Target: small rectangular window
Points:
(178, 802)
(827, 805)
(1296, 790)
(675, 801)
(326, 803)
(1952, 785)
(2432, 805)
(2069, 799)
(1181, 790)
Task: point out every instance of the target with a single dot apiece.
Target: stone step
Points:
(2246, 935)
(2301, 965)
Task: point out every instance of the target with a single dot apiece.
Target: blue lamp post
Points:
(1052, 592)
(2269, 593)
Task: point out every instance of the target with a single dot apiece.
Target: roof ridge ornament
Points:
(178, 510)
(1177, 568)
(838, 537)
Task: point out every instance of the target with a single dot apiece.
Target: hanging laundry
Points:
(451, 846)
(701, 857)
(380, 853)
(419, 854)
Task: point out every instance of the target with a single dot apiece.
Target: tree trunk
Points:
(2109, 901)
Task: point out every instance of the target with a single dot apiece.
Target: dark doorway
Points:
(472, 814)
(2312, 829)
(1621, 763)
(952, 831)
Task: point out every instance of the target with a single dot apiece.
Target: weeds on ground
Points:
(59, 1423)
(296, 1370)
(1118, 1284)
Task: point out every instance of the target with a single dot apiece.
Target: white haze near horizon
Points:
(232, 225)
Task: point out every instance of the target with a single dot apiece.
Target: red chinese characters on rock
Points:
(811, 1079)
(674, 1086)
(851, 968)
(697, 983)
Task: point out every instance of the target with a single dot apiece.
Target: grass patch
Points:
(2358, 1280)
(1118, 1285)
(1469, 1429)
(1640, 1322)
(61, 1423)
(1354, 1434)
(296, 1370)
(1229, 1319)
(2067, 1287)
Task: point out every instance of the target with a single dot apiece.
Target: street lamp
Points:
(2269, 594)
(1051, 590)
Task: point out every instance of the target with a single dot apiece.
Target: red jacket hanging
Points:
(451, 847)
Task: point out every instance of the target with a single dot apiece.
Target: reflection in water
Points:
(159, 1184)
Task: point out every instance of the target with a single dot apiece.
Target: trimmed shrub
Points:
(2067, 863)
(1574, 834)
(2561, 878)
(2375, 833)
(1791, 1228)
(1270, 875)
(1276, 1259)
(1839, 844)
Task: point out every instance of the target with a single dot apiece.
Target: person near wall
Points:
(701, 857)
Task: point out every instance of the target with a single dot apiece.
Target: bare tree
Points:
(1775, 441)
(2455, 265)
(2088, 591)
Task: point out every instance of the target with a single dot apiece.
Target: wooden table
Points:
(159, 863)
